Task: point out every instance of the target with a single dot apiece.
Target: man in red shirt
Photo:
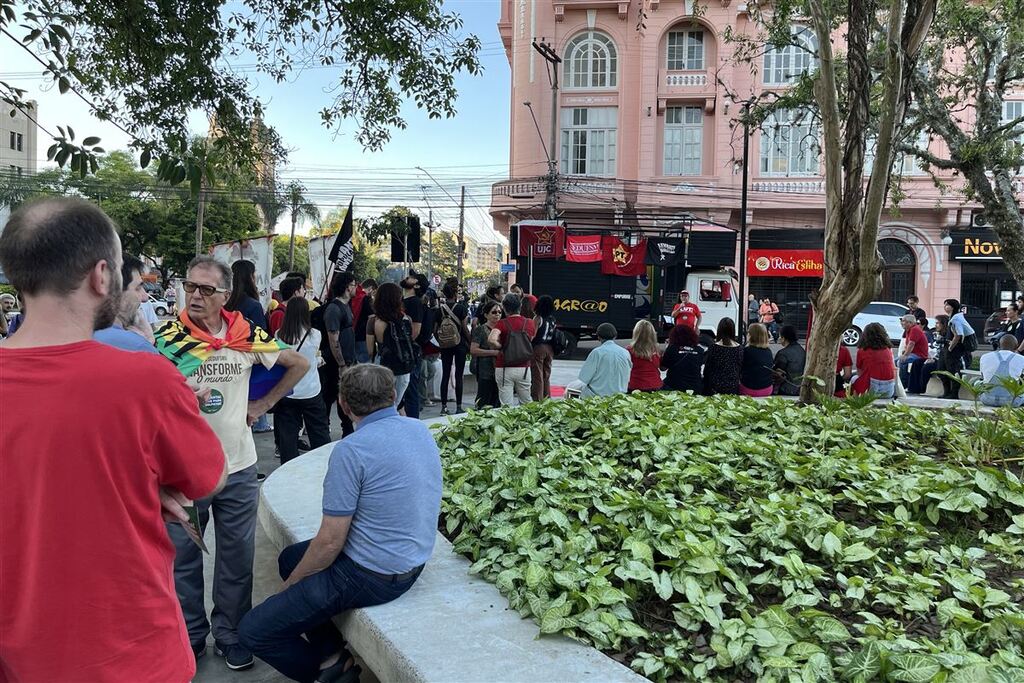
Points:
(686, 312)
(91, 473)
(915, 350)
(512, 369)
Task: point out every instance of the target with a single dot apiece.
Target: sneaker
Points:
(260, 476)
(428, 402)
(458, 410)
(304, 445)
(198, 650)
(235, 656)
(444, 410)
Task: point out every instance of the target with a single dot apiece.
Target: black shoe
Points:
(260, 476)
(304, 445)
(235, 656)
(198, 650)
(337, 673)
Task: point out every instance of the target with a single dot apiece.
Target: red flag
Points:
(583, 248)
(618, 258)
(545, 240)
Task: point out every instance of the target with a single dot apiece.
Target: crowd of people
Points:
(109, 490)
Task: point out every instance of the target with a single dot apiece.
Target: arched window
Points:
(590, 61)
(899, 271)
(786, 63)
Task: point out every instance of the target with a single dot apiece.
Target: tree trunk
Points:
(291, 245)
(199, 220)
(1003, 214)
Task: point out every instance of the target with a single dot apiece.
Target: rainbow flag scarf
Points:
(187, 346)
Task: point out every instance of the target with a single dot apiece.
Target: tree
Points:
(282, 249)
(855, 97)
(146, 66)
(300, 208)
(973, 56)
(225, 219)
(446, 253)
(270, 204)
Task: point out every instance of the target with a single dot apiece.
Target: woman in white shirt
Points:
(304, 404)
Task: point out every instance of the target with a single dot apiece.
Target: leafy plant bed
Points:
(729, 539)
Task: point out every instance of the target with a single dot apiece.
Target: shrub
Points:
(730, 539)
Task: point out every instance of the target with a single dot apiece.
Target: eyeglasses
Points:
(205, 290)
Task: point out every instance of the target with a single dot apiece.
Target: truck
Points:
(584, 297)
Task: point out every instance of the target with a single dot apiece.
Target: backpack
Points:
(317, 322)
(518, 348)
(396, 350)
(448, 333)
(550, 334)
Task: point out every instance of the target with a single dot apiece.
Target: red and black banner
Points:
(619, 258)
(542, 240)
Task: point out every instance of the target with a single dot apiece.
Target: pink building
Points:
(646, 133)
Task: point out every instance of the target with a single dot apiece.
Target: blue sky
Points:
(470, 149)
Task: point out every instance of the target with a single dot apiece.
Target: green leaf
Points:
(858, 552)
(913, 668)
(90, 141)
(534, 575)
(663, 586)
(830, 630)
(866, 663)
(831, 544)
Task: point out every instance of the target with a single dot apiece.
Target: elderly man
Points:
(606, 370)
(381, 498)
(915, 350)
(125, 333)
(216, 350)
(1004, 364)
(89, 475)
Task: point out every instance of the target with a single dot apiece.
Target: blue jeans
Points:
(904, 366)
(362, 355)
(273, 630)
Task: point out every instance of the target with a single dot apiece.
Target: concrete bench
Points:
(450, 626)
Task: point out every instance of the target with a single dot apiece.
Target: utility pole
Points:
(199, 216)
(430, 243)
(462, 234)
(551, 181)
(742, 308)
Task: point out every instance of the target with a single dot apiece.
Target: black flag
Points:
(662, 251)
(342, 253)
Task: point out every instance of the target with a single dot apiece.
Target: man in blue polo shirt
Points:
(382, 496)
(119, 334)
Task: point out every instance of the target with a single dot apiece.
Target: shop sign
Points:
(975, 245)
(785, 262)
(586, 306)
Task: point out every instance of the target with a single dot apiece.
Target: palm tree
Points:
(300, 208)
(271, 204)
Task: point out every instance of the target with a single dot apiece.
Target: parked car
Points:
(160, 306)
(886, 313)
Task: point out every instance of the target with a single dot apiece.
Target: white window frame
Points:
(789, 144)
(785, 65)
(905, 164)
(689, 54)
(588, 141)
(1012, 109)
(683, 147)
(591, 62)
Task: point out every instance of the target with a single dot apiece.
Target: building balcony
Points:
(686, 85)
(560, 6)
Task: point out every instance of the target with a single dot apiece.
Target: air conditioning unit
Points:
(978, 220)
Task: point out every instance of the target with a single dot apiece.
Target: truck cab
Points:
(714, 292)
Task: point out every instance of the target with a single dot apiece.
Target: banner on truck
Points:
(619, 258)
(258, 250)
(583, 248)
(542, 239)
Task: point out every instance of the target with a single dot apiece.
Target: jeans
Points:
(273, 631)
(540, 371)
(453, 358)
(513, 383)
(486, 393)
(905, 367)
(329, 374)
(412, 393)
(262, 424)
(428, 371)
(289, 414)
(362, 355)
(234, 520)
(401, 387)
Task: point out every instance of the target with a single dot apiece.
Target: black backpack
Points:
(316, 319)
(550, 334)
(396, 349)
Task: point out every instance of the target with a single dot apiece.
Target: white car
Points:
(887, 314)
(160, 307)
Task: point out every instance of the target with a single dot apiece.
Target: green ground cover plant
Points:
(728, 539)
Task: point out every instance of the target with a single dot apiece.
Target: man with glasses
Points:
(216, 350)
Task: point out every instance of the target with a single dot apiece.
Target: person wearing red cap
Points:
(686, 312)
